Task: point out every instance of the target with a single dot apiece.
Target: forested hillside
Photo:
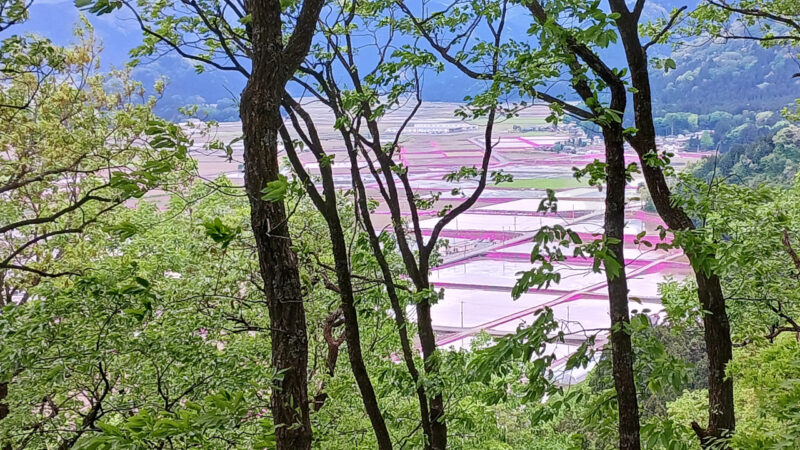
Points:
(731, 76)
(770, 159)
(707, 70)
(707, 73)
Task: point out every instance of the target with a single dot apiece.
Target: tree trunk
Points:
(622, 349)
(717, 333)
(709, 289)
(261, 119)
(431, 365)
(327, 205)
(352, 333)
(614, 223)
(278, 267)
(394, 299)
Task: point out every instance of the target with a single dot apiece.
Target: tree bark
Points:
(431, 365)
(628, 426)
(394, 299)
(622, 349)
(278, 267)
(327, 205)
(717, 333)
(352, 332)
(272, 66)
(709, 290)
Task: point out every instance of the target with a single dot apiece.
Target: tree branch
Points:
(664, 30)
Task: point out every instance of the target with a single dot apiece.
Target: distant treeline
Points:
(770, 158)
(724, 127)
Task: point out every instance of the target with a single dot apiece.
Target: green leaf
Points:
(275, 191)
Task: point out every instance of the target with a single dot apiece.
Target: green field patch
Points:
(544, 183)
(522, 121)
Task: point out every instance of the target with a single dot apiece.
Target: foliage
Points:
(141, 349)
(771, 159)
(73, 149)
(182, 338)
(766, 396)
(752, 232)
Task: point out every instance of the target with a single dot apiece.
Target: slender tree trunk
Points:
(418, 272)
(431, 365)
(614, 222)
(717, 333)
(352, 333)
(261, 119)
(326, 204)
(709, 290)
(622, 349)
(394, 299)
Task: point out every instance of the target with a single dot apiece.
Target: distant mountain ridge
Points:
(727, 76)
(730, 76)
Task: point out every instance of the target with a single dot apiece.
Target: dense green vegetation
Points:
(142, 306)
(770, 159)
(721, 127)
(732, 76)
